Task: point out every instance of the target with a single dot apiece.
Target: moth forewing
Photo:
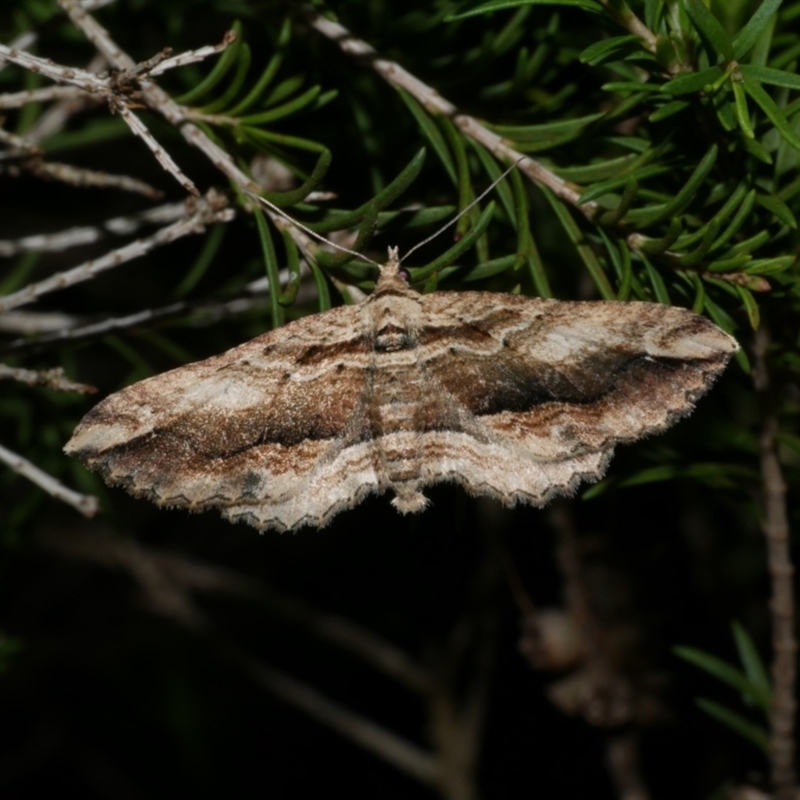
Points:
(517, 398)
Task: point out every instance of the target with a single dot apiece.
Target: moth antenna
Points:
(280, 212)
(461, 213)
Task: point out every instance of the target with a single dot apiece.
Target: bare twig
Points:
(109, 87)
(208, 210)
(18, 146)
(138, 128)
(78, 236)
(80, 176)
(56, 117)
(403, 755)
(177, 115)
(192, 56)
(36, 322)
(776, 530)
(73, 76)
(22, 42)
(49, 378)
(435, 103)
(84, 503)
(46, 94)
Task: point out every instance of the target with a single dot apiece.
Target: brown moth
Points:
(512, 397)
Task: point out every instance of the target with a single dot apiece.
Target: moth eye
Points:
(404, 275)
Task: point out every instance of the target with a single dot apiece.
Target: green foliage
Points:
(752, 682)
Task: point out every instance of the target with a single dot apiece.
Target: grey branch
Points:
(776, 531)
(78, 236)
(80, 176)
(85, 503)
(49, 378)
(435, 103)
(403, 755)
(208, 210)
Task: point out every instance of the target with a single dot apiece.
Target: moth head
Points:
(391, 275)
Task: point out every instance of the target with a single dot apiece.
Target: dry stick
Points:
(196, 314)
(78, 236)
(401, 754)
(47, 94)
(35, 322)
(138, 128)
(49, 378)
(207, 212)
(18, 146)
(434, 103)
(178, 116)
(776, 529)
(86, 504)
(80, 176)
(108, 87)
(192, 56)
(55, 118)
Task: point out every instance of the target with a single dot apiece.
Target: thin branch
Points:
(46, 94)
(177, 115)
(392, 72)
(84, 503)
(80, 176)
(110, 87)
(18, 146)
(22, 42)
(49, 378)
(55, 118)
(36, 322)
(138, 128)
(403, 755)
(208, 210)
(776, 530)
(73, 76)
(192, 56)
(434, 103)
(78, 236)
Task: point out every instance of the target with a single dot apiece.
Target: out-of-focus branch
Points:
(49, 378)
(403, 755)
(87, 234)
(166, 582)
(776, 530)
(86, 504)
(81, 176)
(209, 209)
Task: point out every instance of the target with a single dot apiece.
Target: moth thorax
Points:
(393, 337)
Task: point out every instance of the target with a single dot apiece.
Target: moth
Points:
(517, 398)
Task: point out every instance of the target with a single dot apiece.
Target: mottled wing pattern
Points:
(548, 388)
(270, 432)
